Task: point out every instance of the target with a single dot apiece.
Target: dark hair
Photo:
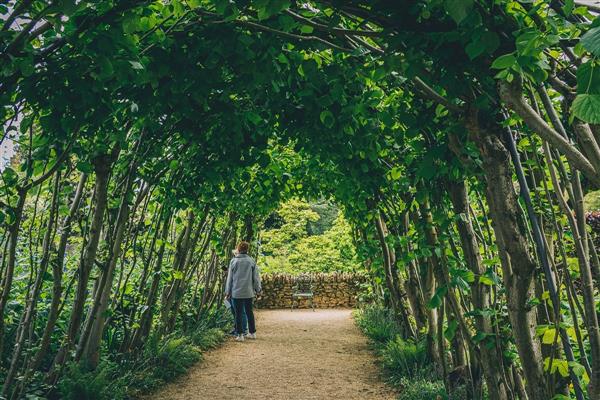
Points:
(243, 247)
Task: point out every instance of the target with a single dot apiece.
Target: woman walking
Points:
(243, 283)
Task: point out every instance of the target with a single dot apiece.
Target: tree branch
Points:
(512, 95)
(339, 31)
(53, 169)
(431, 94)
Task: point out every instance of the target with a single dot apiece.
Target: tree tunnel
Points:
(459, 139)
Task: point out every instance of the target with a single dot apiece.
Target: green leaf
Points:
(327, 118)
(591, 41)
(588, 78)
(379, 74)
(563, 368)
(505, 61)
(177, 275)
(9, 176)
(458, 9)
(85, 167)
(136, 65)
(253, 117)
(577, 368)
(438, 296)
(282, 58)
(467, 275)
(560, 366)
(435, 301)
(395, 173)
(475, 48)
(568, 7)
(26, 124)
(486, 280)
(106, 67)
(548, 337)
(586, 107)
(271, 7)
(450, 331)
(306, 29)
(545, 295)
(488, 42)
(26, 66)
(130, 25)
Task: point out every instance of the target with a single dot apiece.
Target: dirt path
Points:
(299, 355)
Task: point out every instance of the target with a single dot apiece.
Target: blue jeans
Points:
(243, 307)
(244, 318)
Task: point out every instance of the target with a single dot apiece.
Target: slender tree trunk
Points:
(480, 293)
(169, 293)
(33, 295)
(13, 232)
(57, 273)
(412, 285)
(102, 169)
(89, 344)
(146, 318)
(580, 239)
(393, 284)
(518, 264)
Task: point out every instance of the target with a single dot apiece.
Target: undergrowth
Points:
(405, 363)
(160, 360)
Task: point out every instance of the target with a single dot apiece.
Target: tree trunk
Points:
(89, 344)
(102, 169)
(33, 295)
(480, 293)
(13, 233)
(57, 273)
(146, 318)
(518, 265)
(169, 292)
(391, 277)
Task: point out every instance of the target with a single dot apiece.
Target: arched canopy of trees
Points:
(459, 137)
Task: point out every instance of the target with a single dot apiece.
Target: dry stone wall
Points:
(331, 290)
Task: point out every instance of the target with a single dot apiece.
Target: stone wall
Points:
(331, 290)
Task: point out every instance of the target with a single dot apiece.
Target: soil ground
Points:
(299, 355)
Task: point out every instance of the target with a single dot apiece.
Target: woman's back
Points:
(243, 280)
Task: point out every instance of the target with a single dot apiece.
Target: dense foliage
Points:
(291, 248)
(458, 137)
(406, 363)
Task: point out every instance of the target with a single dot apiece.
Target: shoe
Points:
(251, 336)
(239, 338)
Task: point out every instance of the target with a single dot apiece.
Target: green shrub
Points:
(422, 389)
(461, 393)
(160, 359)
(402, 359)
(377, 323)
(208, 339)
(103, 383)
(174, 357)
(405, 362)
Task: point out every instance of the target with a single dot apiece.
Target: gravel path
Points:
(299, 355)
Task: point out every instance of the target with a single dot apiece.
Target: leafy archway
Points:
(459, 137)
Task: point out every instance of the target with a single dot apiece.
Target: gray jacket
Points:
(243, 279)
